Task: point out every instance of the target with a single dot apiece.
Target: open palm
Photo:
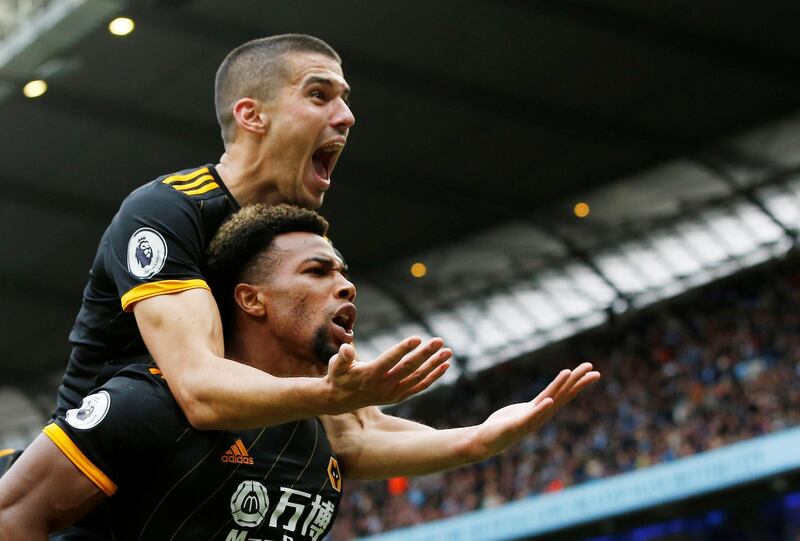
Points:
(511, 423)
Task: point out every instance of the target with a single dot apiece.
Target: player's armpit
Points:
(44, 492)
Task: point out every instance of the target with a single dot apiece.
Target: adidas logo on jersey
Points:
(237, 454)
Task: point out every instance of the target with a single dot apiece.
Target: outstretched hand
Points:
(403, 370)
(510, 424)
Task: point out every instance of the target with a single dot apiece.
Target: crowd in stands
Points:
(716, 366)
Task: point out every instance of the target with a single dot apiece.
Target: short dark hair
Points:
(240, 250)
(255, 69)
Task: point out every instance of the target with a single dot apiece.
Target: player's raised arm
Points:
(372, 445)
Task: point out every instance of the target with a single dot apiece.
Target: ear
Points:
(250, 300)
(249, 116)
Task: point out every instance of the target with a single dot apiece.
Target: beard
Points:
(323, 348)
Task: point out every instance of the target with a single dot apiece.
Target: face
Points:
(310, 307)
(308, 123)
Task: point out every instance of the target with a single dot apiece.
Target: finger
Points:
(564, 399)
(386, 360)
(544, 405)
(540, 414)
(578, 372)
(343, 360)
(427, 382)
(426, 368)
(425, 375)
(583, 368)
(415, 359)
(581, 384)
(565, 391)
(553, 388)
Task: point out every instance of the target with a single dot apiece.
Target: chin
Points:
(313, 203)
(324, 348)
(307, 202)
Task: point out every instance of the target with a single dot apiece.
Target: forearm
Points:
(217, 393)
(414, 453)
(372, 445)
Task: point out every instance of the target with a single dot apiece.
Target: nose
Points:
(345, 289)
(343, 118)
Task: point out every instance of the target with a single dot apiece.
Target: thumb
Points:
(341, 362)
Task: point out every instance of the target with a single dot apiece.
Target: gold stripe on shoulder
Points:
(76, 456)
(154, 289)
(203, 189)
(185, 176)
(5, 452)
(195, 184)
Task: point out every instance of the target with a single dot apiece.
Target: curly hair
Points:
(240, 250)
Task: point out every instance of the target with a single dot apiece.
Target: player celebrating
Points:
(282, 106)
(287, 307)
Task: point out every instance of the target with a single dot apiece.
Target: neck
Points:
(245, 171)
(260, 350)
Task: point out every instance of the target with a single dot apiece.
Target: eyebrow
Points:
(330, 263)
(319, 79)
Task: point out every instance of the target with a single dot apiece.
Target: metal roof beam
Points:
(722, 172)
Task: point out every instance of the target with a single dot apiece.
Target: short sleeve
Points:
(116, 428)
(156, 245)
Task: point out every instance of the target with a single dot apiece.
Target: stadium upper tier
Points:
(520, 287)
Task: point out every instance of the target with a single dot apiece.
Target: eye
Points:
(317, 271)
(318, 94)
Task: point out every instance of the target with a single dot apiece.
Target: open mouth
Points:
(345, 319)
(324, 159)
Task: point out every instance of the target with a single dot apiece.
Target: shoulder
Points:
(138, 388)
(169, 190)
(198, 183)
(132, 415)
(135, 403)
(177, 196)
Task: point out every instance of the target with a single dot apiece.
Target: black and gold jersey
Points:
(167, 480)
(154, 245)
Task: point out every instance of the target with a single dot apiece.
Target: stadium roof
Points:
(476, 121)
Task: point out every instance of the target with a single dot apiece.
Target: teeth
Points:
(342, 320)
(332, 147)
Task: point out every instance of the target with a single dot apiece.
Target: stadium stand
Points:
(717, 366)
